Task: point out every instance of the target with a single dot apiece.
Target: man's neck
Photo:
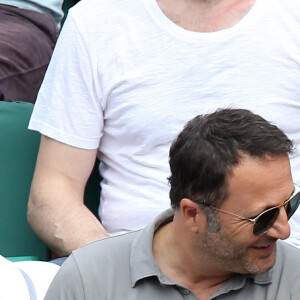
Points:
(205, 15)
(183, 267)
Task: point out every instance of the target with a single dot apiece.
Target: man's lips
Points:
(264, 249)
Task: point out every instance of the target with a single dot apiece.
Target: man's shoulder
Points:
(90, 4)
(103, 20)
(100, 264)
(289, 8)
(106, 251)
(106, 9)
(122, 240)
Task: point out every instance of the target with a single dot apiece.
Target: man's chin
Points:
(262, 259)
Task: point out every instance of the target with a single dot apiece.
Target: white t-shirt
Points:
(125, 79)
(25, 280)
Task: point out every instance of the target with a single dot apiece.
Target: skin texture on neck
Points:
(202, 260)
(175, 261)
(205, 15)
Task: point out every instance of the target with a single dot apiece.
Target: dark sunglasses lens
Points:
(265, 221)
(293, 205)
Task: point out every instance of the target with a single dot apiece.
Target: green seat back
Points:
(18, 152)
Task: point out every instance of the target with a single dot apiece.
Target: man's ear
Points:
(192, 214)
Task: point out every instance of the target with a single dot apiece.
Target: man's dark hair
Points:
(210, 145)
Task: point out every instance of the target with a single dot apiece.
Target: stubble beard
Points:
(230, 257)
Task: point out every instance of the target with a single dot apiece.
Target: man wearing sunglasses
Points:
(231, 194)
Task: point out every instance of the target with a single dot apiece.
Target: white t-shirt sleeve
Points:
(68, 107)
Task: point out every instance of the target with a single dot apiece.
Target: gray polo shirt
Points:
(123, 267)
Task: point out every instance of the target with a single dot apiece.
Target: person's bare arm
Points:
(56, 210)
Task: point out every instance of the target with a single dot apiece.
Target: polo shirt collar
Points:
(142, 262)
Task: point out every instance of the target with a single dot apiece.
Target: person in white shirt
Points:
(126, 76)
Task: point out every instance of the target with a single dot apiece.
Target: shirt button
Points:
(186, 292)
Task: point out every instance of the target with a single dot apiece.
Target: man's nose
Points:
(281, 228)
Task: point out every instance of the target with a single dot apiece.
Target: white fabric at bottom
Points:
(13, 285)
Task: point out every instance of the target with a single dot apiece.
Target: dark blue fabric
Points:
(59, 261)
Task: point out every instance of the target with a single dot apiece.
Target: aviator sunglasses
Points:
(264, 221)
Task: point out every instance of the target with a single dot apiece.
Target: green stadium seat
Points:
(18, 152)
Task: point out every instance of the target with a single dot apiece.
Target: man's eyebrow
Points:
(291, 193)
